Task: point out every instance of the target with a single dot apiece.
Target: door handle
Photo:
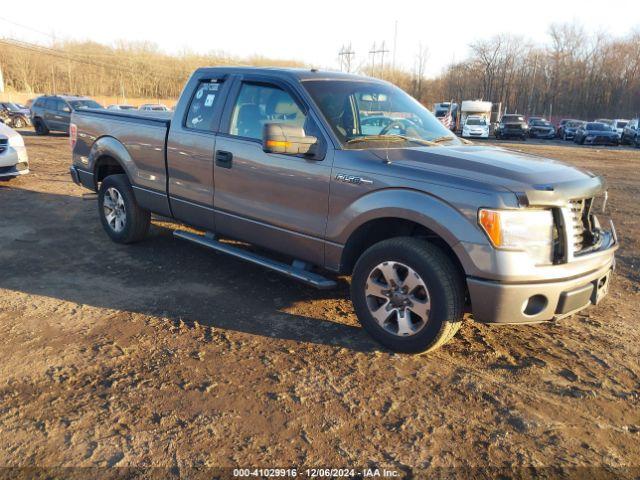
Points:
(224, 159)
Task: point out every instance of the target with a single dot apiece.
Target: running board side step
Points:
(304, 276)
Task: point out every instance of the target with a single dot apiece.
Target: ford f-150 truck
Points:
(428, 226)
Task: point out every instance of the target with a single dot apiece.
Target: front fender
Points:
(454, 224)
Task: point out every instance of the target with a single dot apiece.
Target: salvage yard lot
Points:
(164, 354)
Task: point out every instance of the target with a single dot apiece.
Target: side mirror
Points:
(66, 109)
(287, 139)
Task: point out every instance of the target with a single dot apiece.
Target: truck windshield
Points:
(376, 115)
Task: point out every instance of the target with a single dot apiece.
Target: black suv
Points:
(53, 112)
(512, 125)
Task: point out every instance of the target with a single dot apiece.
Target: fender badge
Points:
(352, 179)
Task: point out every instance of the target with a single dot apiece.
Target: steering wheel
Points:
(394, 124)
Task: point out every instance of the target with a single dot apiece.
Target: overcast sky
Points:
(311, 31)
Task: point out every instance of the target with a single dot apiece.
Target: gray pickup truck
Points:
(342, 174)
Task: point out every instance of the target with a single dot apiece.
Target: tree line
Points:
(574, 74)
(571, 73)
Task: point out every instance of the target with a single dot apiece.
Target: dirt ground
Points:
(164, 354)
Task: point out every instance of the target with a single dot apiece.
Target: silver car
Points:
(13, 154)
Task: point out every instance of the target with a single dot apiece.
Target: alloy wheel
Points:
(114, 209)
(398, 298)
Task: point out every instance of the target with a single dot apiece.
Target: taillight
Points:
(73, 135)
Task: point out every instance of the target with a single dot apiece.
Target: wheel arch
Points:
(401, 212)
(378, 229)
(108, 156)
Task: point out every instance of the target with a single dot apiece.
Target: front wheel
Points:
(408, 294)
(40, 127)
(121, 216)
(18, 123)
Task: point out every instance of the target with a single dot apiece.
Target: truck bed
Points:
(135, 136)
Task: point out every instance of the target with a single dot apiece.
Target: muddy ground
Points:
(164, 354)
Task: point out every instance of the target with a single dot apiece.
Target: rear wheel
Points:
(121, 216)
(408, 294)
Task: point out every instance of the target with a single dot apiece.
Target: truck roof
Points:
(300, 74)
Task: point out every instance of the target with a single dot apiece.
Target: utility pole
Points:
(346, 55)
(53, 81)
(69, 74)
(374, 52)
(395, 44)
(533, 82)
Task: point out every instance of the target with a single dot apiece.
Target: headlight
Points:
(524, 230)
(16, 141)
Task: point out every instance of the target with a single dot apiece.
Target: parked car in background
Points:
(122, 106)
(607, 121)
(560, 127)
(512, 126)
(569, 129)
(14, 116)
(13, 154)
(630, 132)
(596, 133)
(475, 127)
(541, 128)
(153, 107)
(53, 112)
(619, 124)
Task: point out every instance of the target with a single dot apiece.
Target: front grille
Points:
(4, 144)
(580, 234)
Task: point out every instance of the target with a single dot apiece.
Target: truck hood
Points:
(542, 180)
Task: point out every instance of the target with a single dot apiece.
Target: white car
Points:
(618, 125)
(475, 127)
(13, 154)
(121, 107)
(153, 107)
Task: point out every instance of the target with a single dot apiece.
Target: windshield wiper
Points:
(387, 138)
(444, 138)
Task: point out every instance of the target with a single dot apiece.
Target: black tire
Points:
(19, 123)
(443, 280)
(40, 127)
(137, 219)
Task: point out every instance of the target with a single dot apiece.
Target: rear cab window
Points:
(201, 112)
